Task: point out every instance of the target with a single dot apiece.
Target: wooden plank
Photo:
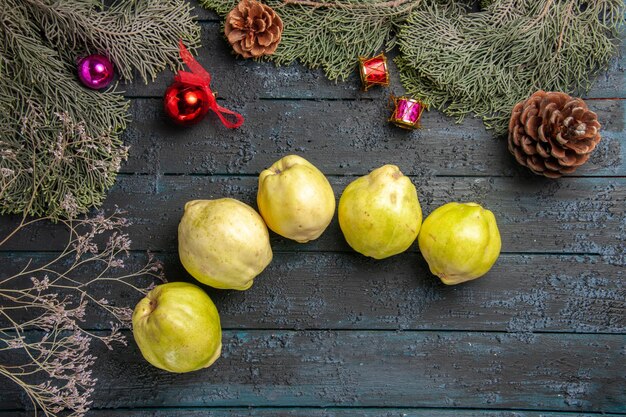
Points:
(315, 412)
(347, 291)
(343, 138)
(576, 215)
(559, 372)
(237, 78)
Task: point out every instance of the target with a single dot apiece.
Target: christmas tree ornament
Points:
(552, 133)
(407, 112)
(189, 98)
(95, 71)
(253, 29)
(186, 104)
(374, 71)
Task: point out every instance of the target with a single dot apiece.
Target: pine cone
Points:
(253, 29)
(552, 133)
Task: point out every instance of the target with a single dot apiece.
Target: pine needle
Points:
(486, 62)
(331, 35)
(60, 145)
(135, 35)
(454, 59)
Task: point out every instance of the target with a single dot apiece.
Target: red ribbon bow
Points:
(201, 78)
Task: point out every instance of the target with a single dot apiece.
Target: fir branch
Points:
(60, 145)
(453, 59)
(135, 35)
(60, 141)
(486, 62)
(331, 34)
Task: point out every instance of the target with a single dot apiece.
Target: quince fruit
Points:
(177, 328)
(295, 199)
(380, 214)
(223, 243)
(460, 242)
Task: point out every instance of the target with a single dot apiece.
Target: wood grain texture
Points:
(580, 215)
(385, 369)
(342, 138)
(348, 291)
(317, 412)
(326, 332)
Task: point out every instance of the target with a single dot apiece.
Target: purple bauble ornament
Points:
(95, 71)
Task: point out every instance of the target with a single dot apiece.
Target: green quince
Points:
(223, 243)
(295, 199)
(177, 328)
(460, 242)
(380, 214)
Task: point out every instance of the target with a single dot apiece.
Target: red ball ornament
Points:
(188, 99)
(186, 104)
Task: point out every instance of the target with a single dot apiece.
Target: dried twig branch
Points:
(42, 308)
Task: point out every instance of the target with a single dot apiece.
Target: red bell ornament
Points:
(186, 104)
(189, 98)
(407, 112)
(374, 71)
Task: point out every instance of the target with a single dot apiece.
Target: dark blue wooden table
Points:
(327, 332)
